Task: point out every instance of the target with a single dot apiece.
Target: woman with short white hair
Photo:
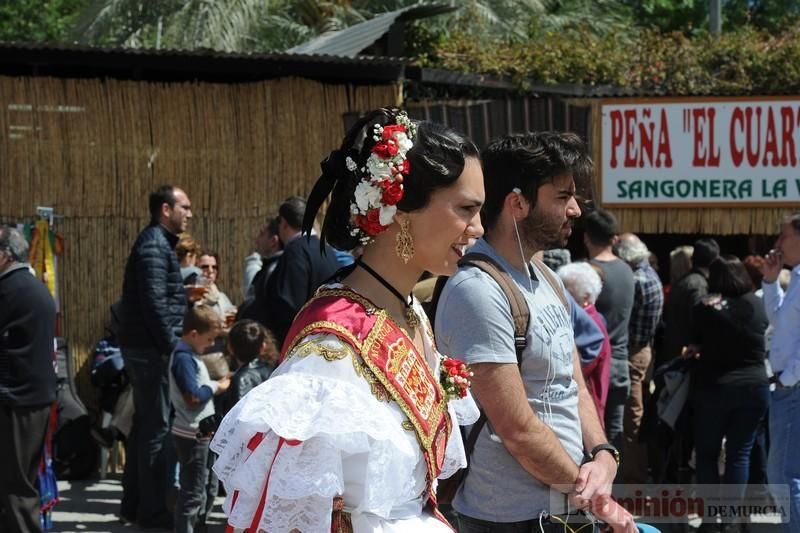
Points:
(584, 284)
(582, 281)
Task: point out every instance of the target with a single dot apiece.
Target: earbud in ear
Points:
(517, 190)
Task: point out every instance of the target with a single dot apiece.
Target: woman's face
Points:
(449, 223)
(208, 265)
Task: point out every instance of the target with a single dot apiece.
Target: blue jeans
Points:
(144, 482)
(734, 412)
(783, 463)
(192, 505)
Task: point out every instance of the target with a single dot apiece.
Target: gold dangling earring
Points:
(405, 242)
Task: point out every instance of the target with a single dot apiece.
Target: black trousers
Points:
(22, 432)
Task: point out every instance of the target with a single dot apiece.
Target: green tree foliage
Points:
(691, 16)
(38, 20)
(659, 46)
(741, 62)
(227, 25)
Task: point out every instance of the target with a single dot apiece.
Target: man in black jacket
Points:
(300, 270)
(27, 382)
(153, 305)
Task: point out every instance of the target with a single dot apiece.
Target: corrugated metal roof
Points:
(351, 41)
(59, 59)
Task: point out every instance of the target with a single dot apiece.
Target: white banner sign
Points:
(701, 152)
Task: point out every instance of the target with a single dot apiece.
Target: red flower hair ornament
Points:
(381, 184)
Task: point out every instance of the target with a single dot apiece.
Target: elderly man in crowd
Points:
(648, 303)
(783, 310)
(27, 382)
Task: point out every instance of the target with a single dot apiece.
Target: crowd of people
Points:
(562, 373)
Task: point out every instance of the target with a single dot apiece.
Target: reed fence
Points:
(94, 149)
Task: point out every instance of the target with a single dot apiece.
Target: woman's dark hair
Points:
(437, 160)
(728, 277)
(209, 253)
(753, 264)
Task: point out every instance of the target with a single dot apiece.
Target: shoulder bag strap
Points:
(520, 314)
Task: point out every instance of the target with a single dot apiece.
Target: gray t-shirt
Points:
(473, 322)
(615, 303)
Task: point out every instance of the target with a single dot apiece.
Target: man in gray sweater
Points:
(614, 303)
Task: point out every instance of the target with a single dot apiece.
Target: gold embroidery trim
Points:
(376, 336)
(363, 371)
(323, 324)
(352, 295)
(314, 346)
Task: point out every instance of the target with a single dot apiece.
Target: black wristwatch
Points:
(604, 447)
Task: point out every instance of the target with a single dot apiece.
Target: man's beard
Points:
(541, 232)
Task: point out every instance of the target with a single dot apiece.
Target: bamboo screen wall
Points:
(94, 149)
(708, 220)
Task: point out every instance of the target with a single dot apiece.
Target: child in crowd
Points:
(191, 391)
(255, 350)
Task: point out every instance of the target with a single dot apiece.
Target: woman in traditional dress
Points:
(356, 424)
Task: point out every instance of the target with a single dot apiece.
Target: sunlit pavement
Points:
(93, 506)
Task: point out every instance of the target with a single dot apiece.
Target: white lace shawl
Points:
(352, 444)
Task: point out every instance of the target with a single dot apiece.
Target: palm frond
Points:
(217, 24)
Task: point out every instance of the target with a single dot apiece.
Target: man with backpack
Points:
(540, 421)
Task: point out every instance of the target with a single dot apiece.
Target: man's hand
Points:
(771, 268)
(613, 514)
(595, 479)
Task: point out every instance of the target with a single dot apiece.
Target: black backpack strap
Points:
(516, 300)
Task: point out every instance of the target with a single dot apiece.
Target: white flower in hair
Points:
(367, 196)
(350, 164)
(404, 144)
(387, 214)
(377, 168)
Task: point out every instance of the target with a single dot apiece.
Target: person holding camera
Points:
(191, 392)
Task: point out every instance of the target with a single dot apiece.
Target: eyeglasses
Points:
(207, 267)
